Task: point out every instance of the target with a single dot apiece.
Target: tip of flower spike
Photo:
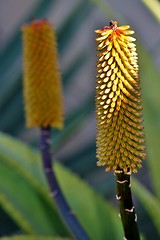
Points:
(37, 23)
(113, 31)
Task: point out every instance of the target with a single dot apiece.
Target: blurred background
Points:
(75, 22)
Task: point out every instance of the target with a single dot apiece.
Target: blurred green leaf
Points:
(21, 193)
(149, 201)
(7, 226)
(154, 7)
(97, 216)
(151, 102)
(28, 237)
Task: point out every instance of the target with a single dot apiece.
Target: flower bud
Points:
(42, 83)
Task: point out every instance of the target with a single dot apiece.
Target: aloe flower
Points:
(42, 83)
(120, 135)
(43, 106)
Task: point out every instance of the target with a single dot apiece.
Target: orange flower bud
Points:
(120, 136)
(42, 83)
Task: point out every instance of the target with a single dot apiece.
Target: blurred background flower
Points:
(75, 22)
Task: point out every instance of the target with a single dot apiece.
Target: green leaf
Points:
(154, 7)
(97, 216)
(149, 201)
(28, 237)
(23, 191)
(151, 103)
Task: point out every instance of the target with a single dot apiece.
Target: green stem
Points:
(127, 210)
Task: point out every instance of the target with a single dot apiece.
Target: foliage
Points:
(33, 238)
(20, 169)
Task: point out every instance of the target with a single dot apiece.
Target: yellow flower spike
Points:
(42, 83)
(120, 136)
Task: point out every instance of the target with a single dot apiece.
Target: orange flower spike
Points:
(120, 136)
(42, 83)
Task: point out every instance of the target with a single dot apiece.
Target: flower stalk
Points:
(120, 136)
(127, 210)
(43, 105)
(55, 192)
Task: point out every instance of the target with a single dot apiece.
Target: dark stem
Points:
(55, 191)
(127, 211)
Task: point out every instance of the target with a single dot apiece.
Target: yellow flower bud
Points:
(120, 136)
(42, 83)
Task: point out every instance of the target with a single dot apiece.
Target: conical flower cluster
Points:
(42, 83)
(120, 136)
